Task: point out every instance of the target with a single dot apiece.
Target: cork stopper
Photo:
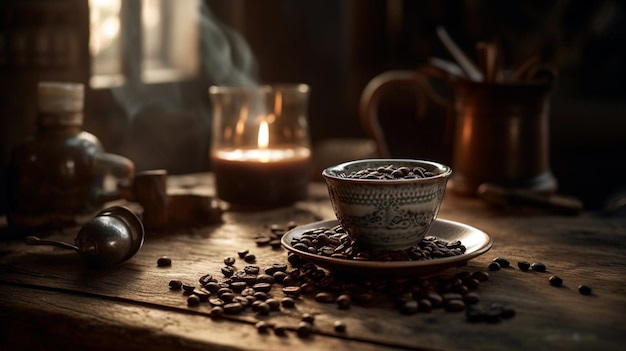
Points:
(60, 103)
(60, 97)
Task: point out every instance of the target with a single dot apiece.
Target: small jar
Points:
(59, 172)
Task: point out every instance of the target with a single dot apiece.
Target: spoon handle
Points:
(466, 64)
(33, 240)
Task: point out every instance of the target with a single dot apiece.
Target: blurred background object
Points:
(148, 64)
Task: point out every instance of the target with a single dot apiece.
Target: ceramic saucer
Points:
(476, 241)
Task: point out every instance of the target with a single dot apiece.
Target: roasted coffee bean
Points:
(242, 253)
(280, 330)
(206, 279)
(212, 286)
(227, 297)
(425, 305)
(243, 300)
(164, 261)
(193, 300)
(224, 290)
(233, 308)
(584, 289)
(324, 297)
(455, 305)
(273, 303)
(261, 295)
(409, 307)
(263, 309)
(343, 301)
(287, 302)
(480, 276)
(250, 258)
(304, 329)
(262, 327)
(265, 278)
(471, 298)
(214, 301)
(228, 271)
(202, 295)
(276, 244)
(435, 299)
(471, 283)
(494, 266)
(229, 261)
(262, 240)
(279, 276)
(555, 280)
(216, 312)
(264, 287)
(307, 317)
(175, 284)
(538, 267)
(252, 269)
(188, 288)
(339, 326)
(503, 262)
(523, 265)
(292, 290)
(238, 286)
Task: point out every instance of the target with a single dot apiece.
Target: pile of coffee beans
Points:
(334, 242)
(390, 172)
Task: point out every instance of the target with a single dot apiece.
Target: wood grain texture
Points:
(46, 291)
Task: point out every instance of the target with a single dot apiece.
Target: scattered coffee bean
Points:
(202, 295)
(409, 307)
(176, 284)
(228, 271)
(307, 317)
(340, 327)
(233, 308)
(555, 280)
(287, 302)
(494, 266)
(584, 289)
(292, 290)
(193, 300)
(324, 297)
(164, 261)
(455, 305)
(188, 288)
(538, 267)
(343, 301)
(507, 312)
(480, 276)
(216, 312)
(263, 309)
(229, 261)
(304, 329)
(242, 253)
(280, 330)
(523, 265)
(262, 327)
(250, 258)
(503, 262)
(262, 240)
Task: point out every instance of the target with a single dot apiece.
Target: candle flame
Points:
(264, 135)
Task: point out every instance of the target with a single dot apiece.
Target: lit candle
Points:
(261, 158)
(262, 176)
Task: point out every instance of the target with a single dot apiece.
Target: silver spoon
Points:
(113, 236)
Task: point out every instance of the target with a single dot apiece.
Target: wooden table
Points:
(50, 301)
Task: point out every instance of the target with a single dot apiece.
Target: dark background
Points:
(337, 47)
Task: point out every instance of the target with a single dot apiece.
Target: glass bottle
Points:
(58, 174)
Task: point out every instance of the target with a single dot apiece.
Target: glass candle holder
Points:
(260, 149)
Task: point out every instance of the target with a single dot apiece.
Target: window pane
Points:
(104, 42)
(170, 40)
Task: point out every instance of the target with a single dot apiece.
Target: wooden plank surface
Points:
(47, 291)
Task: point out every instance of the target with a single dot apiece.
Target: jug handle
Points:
(120, 167)
(368, 105)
